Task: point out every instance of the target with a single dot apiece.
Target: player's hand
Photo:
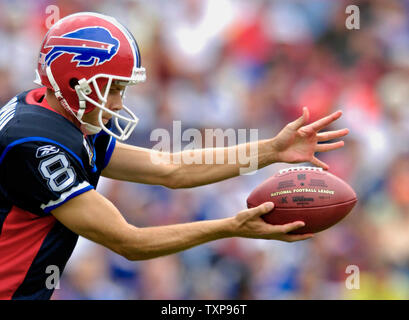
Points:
(298, 142)
(249, 224)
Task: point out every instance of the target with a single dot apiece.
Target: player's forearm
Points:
(218, 164)
(152, 242)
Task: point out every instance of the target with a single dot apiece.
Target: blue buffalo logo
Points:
(90, 46)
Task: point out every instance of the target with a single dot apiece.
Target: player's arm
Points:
(296, 143)
(96, 218)
(134, 164)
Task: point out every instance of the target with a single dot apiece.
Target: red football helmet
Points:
(81, 56)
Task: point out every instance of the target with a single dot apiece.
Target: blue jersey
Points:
(45, 160)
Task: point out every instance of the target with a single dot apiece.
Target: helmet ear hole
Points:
(73, 82)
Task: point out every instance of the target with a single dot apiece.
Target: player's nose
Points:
(115, 101)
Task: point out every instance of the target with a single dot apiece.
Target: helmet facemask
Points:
(83, 89)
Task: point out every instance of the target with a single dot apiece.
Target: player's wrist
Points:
(272, 155)
(229, 227)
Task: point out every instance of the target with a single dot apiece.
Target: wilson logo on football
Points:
(90, 46)
(46, 150)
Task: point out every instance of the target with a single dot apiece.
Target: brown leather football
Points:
(307, 194)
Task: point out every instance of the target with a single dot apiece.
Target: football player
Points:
(56, 141)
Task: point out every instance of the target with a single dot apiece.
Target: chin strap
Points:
(85, 127)
(90, 129)
(84, 88)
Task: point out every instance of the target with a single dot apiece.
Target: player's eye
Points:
(116, 90)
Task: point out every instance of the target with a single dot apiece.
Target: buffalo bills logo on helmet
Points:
(90, 46)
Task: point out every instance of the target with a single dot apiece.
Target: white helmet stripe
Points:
(135, 51)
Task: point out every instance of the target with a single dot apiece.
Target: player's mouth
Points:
(105, 120)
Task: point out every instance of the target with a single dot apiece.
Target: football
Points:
(308, 194)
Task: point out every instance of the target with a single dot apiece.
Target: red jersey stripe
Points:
(20, 240)
(34, 95)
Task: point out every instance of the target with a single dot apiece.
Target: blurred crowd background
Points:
(250, 64)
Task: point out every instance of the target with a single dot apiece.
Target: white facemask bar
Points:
(84, 89)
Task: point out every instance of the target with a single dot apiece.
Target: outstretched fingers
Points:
(301, 121)
(329, 146)
(330, 135)
(323, 122)
(317, 162)
(324, 147)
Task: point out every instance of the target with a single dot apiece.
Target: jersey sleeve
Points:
(40, 177)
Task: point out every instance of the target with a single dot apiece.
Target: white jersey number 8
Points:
(58, 172)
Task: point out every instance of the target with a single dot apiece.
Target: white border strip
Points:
(65, 195)
(7, 112)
